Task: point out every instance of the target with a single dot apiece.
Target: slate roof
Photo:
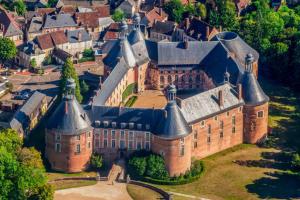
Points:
(61, 54)
(166, 27)
(69, 118)
(11, 27)
(111, 82)
(205, 104)
(252, 92)
(22, 117)
(36, 24)
(173, 124)
(126, 115)
(30, 48)
(73, 36)
(41, 12)
(59, 21)
(197, 29)
(235, 45)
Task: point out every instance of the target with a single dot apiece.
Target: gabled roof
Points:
(73, 36)
(166, 27)
(156, 14)
(36, 24)
(67, 9)
(44, 11)
(59, 21)
(205, 104)
(91, 19)
(50, 40)
(9, 26)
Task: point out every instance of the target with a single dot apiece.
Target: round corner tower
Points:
(256, 109)
(172, 138)
(69, 135)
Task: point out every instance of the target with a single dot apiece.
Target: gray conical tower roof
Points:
(252, 92)
(69, 118)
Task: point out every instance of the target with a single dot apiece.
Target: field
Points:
(250, 172)
(137, 192)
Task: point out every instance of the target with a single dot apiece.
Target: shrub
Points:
(88, 53)
(9, 86)
(296, 161)
(139, 164)
(156, 167)
(47, 60)
(96, 161)
(129, 90)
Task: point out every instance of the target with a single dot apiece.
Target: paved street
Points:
(100, 191)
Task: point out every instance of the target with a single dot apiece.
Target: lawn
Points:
(59, 185)
(57, 175)
(137, 193)
(251, 172)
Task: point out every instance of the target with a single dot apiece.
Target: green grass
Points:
(137, 193)
(131, 101)
(57, 175)
(65, 184)
(264, 173)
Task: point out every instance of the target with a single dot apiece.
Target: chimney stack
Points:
(239, 91)
(79, 36)
(221, 98)
(207, 32)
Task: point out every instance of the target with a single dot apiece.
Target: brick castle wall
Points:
(68, 160)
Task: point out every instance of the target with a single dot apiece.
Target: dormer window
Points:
(105, 123)
(123, 125)
(97, 123)
(147, 126)
(131, 125)
(114, 124)
(139, 126)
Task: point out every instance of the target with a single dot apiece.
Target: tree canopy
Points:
(118, 15)
(20, 7)
(21, 170)
(68, 71)
(8, 49)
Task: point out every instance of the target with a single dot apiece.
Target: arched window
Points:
(198, 77)
(162, 79)
(183, 78)
(190, 79)
(169, 79)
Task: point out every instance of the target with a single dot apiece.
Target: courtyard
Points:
(150, 99)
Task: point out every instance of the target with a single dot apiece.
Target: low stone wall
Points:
(166, 195)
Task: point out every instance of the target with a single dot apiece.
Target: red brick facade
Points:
(69, 153)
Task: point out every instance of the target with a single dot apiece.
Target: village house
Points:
(29, 114)
(226, 107)
(149, 17)
(9, 27)
(29, 51)
(58, 22)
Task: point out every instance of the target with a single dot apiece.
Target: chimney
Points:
(79, 36)
(160, 11)
(186, 44)
(239, 91)
(186, 23)
(220, 28)
(221, 98)
(207, 32)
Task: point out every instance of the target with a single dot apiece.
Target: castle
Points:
(229, 107)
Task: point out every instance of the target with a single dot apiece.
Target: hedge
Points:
(171, 181)
(85, 59)
(131, 101)
(129, 90)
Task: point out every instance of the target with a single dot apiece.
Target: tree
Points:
(33, 63)
(156, 167)
(20, 7)
(68, 71)
(52, 3)
(88, 53)
(201, 10)
(118, 15)
(8, 49)
(96, 161)
(21, 171)
(175, 10)
(138, 164)
(84, 87)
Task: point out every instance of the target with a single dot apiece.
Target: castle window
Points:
(147, 126)
(169, 79)
(233, 130)
(227, 114)
(198, 77)
(77, 148)
(131, 135)
(221, 124)
(221, 134)
(260, 114)
(233, 120)
(139, 126)
(195, 145)
(147, 136)
(130, 145)
(240, 109)
(208, 139)
(113, 134)
(78, 137)
(162, 79)
(191, 79)
(202, 124)
(176, 78)
(105, 133)
(147, 146)
(195, 135)
(57, 147)
(182, 150)
(122, 144)
(89, 145)
(122, 134)
(105, 143)
(209, 129)
(113, 143)
(139, 145)
(183, 78)
(216, 118)
(57, 137)
(97, 142)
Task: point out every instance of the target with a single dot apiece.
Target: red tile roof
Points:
(50, 40)
(156, 14)
(69, 9)
(90, 19)
(44, 11)
(112, 32)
